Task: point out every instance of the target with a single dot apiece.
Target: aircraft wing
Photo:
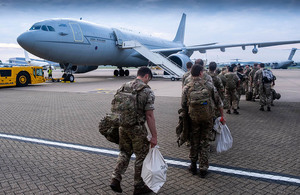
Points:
(203, 48)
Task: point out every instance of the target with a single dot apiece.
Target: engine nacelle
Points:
(254, 50)
(180, 59)
(83, 69)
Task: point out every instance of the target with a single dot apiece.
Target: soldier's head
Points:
(196, 70)
(199, 62)
(145, 74)
(224, 69)
(212, 66)
(189, 65)
(261, 65)
(255, 65)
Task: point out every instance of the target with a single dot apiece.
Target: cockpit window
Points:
(51, 28)
(44, 28)
(35, 27)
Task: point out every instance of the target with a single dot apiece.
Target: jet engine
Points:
(180, 59)
(83, 69)
(254, 50)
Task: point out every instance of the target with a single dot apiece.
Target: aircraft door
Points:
(77, 32)
(119, 37)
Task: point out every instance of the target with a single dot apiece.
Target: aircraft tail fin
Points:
(27, 59)
(292, 53)
(180, 31)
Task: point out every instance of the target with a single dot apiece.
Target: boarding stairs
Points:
(174, 71)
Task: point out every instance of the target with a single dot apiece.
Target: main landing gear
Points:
(121, 72)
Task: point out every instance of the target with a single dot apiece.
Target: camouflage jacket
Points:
(217, 82)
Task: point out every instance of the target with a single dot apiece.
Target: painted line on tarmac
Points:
(252, 174)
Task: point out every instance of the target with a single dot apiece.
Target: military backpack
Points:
(199, 102)
(230, 82)
(125, 104)
(267, 75)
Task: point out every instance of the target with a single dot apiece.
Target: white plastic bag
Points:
(154, 171)
(224, 139)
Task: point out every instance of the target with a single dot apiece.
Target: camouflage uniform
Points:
(246, 77)
(134, 139)
(231, 95)
(184, 77)
(219, 86)
(265, 93)
(252, 83)
(200, 132)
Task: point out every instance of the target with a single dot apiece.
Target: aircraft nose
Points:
(26, 41)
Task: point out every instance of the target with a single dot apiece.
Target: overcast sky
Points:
(231, 21)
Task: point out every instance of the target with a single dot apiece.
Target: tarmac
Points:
(50, 143)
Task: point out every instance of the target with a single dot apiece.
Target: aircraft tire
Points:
(116, 73)
(22, 79)
(126, 72)
(71, 78)
(122, 72)
(173, 79)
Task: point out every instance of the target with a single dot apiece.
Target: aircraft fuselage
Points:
(82, 43)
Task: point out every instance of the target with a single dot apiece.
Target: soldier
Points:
(232, 84)
(188, 66)
(253, 84)
(205, 75)
(246, 77)
(133, 138)
(223, 79)
(198, 100)
(240, 89)
(216, 80)
(265, 79)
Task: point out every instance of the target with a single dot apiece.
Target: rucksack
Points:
(125, 104)
(230, 82)
(199, 102)
(268, 76)
(109, 127)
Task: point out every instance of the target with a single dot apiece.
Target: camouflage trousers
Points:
(265, 94)
(246, 85)
(132, 140)
(200, 143)
(231, 99)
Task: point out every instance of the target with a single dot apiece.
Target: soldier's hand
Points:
(153, 142)
(222, 120)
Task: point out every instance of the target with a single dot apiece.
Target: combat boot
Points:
(143, 190)
(228, 112)
(262, 108)
(203, 173)
(115, 185)
(268, 108)
(193, 168)
(235, 111)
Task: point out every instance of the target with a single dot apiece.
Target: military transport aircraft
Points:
(77, 44)
(284, 64)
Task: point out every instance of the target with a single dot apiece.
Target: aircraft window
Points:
(44, 28)
(35, 27)
(51, 28)
(62, 25)
(39, 72)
